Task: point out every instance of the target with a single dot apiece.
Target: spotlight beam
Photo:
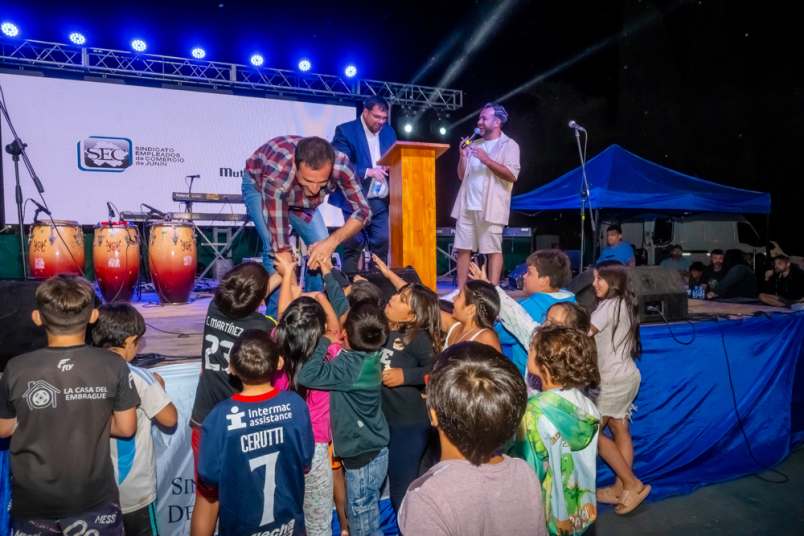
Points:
(637, 25)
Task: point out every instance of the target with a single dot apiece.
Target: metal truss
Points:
(219, 75)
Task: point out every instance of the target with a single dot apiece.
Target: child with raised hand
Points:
(119, 328)
(256, 447)
(415, 338)
(475, 399)
(615, 326)
(233, 310)
(558, 436)
(300, 327)
(359, 428)
(59, 405)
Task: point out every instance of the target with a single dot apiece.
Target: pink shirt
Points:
(317, 401)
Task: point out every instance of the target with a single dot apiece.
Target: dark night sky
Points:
(706, 87)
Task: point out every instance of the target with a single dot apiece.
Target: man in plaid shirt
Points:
(284, 182)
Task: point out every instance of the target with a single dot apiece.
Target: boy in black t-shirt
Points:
(232, 311)
(58, 402)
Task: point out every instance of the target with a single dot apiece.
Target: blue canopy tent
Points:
(619, 179)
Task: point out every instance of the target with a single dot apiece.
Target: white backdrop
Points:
(93, 142)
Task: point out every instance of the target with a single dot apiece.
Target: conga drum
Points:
(55, 248)
(116, 258)
(172, 260)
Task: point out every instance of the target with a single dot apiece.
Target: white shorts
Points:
(474, 234)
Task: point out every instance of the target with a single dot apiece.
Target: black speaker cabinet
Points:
(661, 294)
(18, 334)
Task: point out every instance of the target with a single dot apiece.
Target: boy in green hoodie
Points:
(558, 435)
(359, 430)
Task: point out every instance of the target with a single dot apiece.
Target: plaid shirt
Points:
(272, 167)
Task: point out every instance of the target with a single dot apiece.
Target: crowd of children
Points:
(346, 391)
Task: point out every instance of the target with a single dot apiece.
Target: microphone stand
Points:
(585, 196)
(17, 149)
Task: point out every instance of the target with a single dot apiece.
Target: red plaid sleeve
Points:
(344, 177)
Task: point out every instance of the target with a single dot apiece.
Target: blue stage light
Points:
(257, 60)
(138, 45)
(442, 131)
(408, 128)
(350, 71)
(10, 29)
(78, 38)
(305, 65)
(199, 53)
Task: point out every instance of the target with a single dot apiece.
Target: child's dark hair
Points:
(553, 264)
(483, 296)
(254, 357)
(697, 266)
(365, 291)
(424, 304)
(479, 398)
(116, 323)
(569, 354)
(575, 315)
(366, 327)
(617, 279)
(65, 304)
(242, 290)
(302, 325)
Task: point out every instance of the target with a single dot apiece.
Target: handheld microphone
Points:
(155, 212)
(40, 207)
(573, 125)
(110, 209)
(468, 141)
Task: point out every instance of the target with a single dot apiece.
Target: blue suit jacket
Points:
(350, 139)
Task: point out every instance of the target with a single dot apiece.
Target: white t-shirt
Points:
(133, 458)
(478, 173)
(613, 352)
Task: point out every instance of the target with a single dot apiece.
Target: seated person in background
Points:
(696, 282)
(676, 260)
(476, 399)
(739, 281)
(548, 271)
(617, 249)
(784, 284)
(716, 270)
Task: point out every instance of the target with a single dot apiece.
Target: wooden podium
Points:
(413, 206)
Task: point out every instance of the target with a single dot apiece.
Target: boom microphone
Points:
(40, 207)
(468, 141)
(110, 209)
(572, 124)
(155, 212)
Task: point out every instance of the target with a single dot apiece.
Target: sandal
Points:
(607, 495)
(630, 500)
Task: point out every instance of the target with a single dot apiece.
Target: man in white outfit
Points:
(488, 169)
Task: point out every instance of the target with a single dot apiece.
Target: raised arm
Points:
(389, 274)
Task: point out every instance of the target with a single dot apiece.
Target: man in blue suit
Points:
(364, 141)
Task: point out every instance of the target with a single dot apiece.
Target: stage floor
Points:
(177, 330)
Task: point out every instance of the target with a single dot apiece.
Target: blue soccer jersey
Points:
(256, 450)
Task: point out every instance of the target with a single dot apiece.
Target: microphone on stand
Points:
(468, 141)
(40, 207)
(111, 210)
(155, 212)
(575, 126)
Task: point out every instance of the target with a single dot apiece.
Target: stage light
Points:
(198, 53)
(350, 71)
(138, 45)
(408, 128)
(10, 29)
(257, 60)
(442, 131)
(305, 65)
(77, 38)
